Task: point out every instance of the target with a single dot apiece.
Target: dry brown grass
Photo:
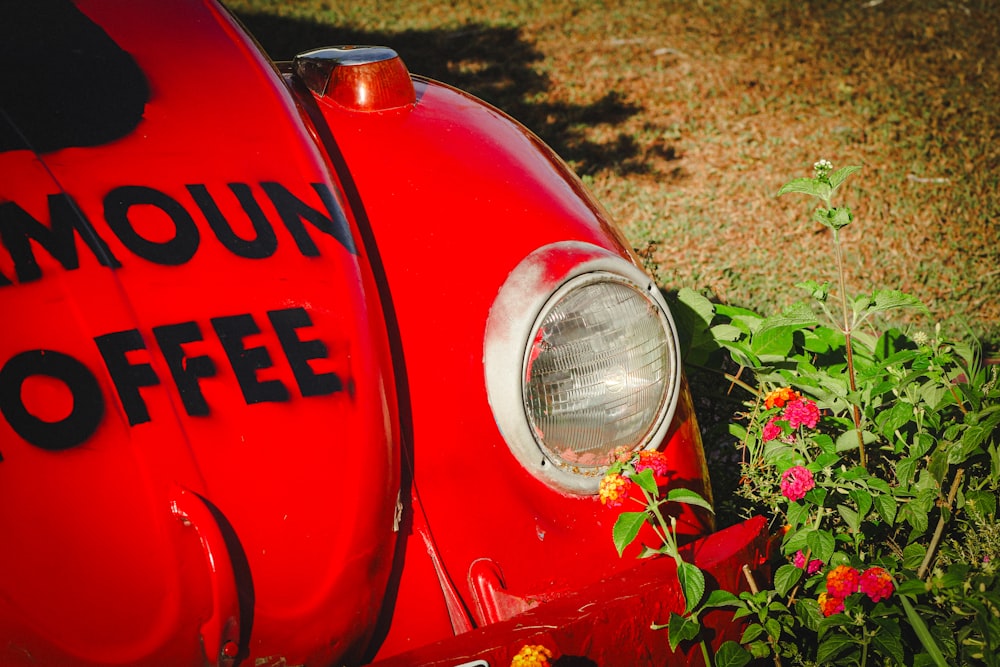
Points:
(686, 117)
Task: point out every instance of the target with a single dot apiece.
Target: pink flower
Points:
(653, 459)
(875, 583)
(830, 605)
(795, 482)
(801, 412)
(842, 581)
(771, 429)
(800, 562)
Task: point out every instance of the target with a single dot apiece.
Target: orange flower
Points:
(614, 489)
(830, 605)
(778, 397)
(532, 656)
(842, 581)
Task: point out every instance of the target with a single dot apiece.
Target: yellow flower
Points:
(532, 656)
(614, 489)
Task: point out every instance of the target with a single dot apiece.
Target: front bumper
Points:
(608, 624)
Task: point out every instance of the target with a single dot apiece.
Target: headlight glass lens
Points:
(598, 372)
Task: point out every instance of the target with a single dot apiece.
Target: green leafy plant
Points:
(637, 478)
(875, 451)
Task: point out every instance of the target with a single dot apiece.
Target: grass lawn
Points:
(685, 118)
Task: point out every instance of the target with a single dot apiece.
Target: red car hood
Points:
(195, 400)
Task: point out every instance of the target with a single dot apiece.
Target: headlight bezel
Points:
(529, 292)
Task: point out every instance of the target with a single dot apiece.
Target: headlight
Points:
(581, 359)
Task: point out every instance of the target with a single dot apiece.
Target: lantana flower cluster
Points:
(532, 655)
(796, 411)
(812, 567)
(796, 482)
(844, 580)
(615, 485)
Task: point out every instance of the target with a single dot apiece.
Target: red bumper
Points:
(608, 624)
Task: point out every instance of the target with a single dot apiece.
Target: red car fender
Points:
(456, 195)
(198, 432)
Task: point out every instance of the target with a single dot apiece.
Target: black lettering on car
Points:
(70, 431)
(293, 211)
(262, 245)
(129, 364)
(247, 361)
(18, 229)
(185, 370)
(300, 352)
(128, 208)
(128, 378)
(173, 252)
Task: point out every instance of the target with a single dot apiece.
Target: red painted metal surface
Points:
(608, 623)
(470, 497)
(244, 418)
(198, 438)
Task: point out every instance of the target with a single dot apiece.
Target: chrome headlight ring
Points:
(581, 358)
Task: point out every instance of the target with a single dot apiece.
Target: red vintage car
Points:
(317, 363)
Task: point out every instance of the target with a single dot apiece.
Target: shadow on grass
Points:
(493, 63)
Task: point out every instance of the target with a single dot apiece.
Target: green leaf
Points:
(796, 316)
(822, 544)
(626, 529)
(773, 628)
(785, 577)
(721, 598)
(850, 517)
(796, 540)
(805, 186)
(887, 639)
(697, 304)
(834, 218)
(913, 587)
(818, 291)
(726, 332)
(731, 654)
(692, 582)
(753, 631)
(885, 505)
(831, 647)
(681, 628)
(742, 353)
(688, 497)
(760, 649)
(863, 500)
(890, 299)
(893, 418)
(905, 469)
(860, 303)
(772, 343)
(849, 439)
(913, 556)
(923, 634)
(798, 514)
(828, 458)
(808, 612)
(646, 481)
(890, 644)
(839, 176)
(915, 516)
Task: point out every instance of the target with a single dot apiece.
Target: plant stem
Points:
(939, 529)
(748, 575)
(704, 654)
(856, 411)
